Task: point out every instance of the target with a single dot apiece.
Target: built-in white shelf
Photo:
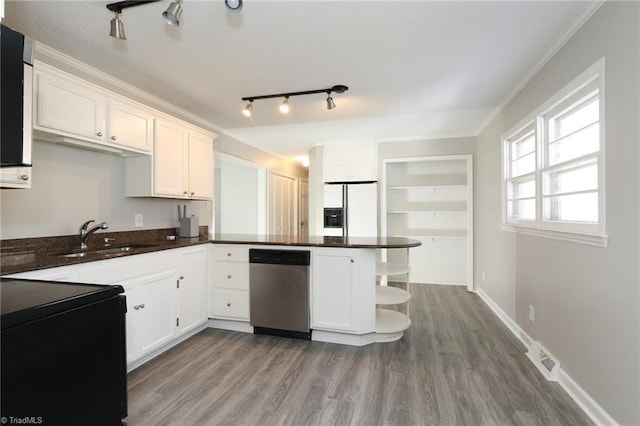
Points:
(431, 199)
(387, 295)
(388, 321)
(390, 268)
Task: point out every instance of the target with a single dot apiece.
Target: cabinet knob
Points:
(142, 306)
(99, 134)
(136, 307)
(228, 254)
(185, 192)
(113, 138)
(181, 277)
(193, 193)
(353, 261)
(228, 305)
(228, 276)
(24, 177)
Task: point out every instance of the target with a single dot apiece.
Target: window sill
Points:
(572, 237)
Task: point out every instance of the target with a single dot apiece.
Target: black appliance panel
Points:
(333, 217)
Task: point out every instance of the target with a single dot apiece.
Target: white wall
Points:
(587, 299)
(240, 192)
(71, 185)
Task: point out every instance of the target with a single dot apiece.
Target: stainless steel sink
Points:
(106, 252)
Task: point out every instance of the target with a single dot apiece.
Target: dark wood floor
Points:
(456, 365)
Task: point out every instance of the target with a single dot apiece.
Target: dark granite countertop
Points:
(31, 254)
(317, 241)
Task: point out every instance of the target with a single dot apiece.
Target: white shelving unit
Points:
(391, 324)
(431, 199)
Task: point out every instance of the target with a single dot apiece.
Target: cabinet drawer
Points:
(233, 304)
(233, 275)
(231, 253)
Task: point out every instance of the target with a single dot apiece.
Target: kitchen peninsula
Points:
(213, 290)
(343, 291)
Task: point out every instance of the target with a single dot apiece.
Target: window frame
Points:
(564, 99)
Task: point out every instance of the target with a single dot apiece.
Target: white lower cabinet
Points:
(165, 291)
(151, 312)
(230, 292)
(192, 289)
(342, 291)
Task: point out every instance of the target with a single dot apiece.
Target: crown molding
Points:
(586, 14)
(47, 52)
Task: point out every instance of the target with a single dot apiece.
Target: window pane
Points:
(573, 208)
(526, 189)
(524, 146)
(522, 209)
(576, 145)
(572, 180)
(575, 119)
(524, 165)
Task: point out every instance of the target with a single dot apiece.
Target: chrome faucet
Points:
(85, 233)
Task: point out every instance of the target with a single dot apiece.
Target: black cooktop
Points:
(27, 300)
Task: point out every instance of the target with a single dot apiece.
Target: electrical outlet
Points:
(484, 278)
(532, 313)
(137, 218)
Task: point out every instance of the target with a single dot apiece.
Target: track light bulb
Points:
(173, 13)
(117, 28)
(233, 5)
(330, 103)
(284, 107)
(247, 109)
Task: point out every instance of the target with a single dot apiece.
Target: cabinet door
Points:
(170, 159)
(157, 310)
(230, 304)
(15, 177)
(132, 297)
(334, 292)
(130, 126)
(200, 166)
(69, 107)
(192, 291)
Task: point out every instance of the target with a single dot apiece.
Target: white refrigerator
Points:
(351, 209)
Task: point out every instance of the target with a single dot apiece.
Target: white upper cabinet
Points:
(200, 165)
(71, 111)
(350, 162)
(181, 166)
(64, 105)
(129, 126)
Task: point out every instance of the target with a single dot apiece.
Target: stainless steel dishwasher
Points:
(279, 292)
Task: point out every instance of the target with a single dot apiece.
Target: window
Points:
(553, 165)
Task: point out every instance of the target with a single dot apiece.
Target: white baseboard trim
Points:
(573, 389)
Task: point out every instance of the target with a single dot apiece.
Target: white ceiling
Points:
(415, 69)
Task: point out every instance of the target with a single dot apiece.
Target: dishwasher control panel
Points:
(280, 257)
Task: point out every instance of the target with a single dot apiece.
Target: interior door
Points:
(303, 208)
(282, 205)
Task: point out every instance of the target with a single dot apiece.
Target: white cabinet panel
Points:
(230, 304)
(231, 253)
(130, 126)
(192, 289)
(68, 107)
(15, 177)
(157, 320)
(334, 302)
(200, 166)
(170, 172)
(231, 275)
(350, 162)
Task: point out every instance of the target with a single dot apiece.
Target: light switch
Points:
(138, 220)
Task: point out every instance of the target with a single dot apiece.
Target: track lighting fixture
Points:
(117, 28)
(284, 107)
(247, 109)
(330, 103)
(172, 15)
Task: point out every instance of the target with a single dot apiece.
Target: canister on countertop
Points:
(189, 226)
